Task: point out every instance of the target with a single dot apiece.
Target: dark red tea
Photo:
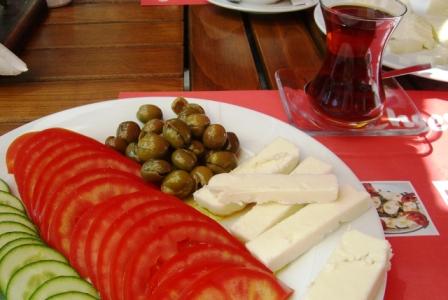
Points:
(348, 86)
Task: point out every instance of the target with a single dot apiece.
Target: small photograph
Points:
(401, 210)
(442, 187)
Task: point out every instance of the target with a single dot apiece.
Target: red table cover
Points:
(420, 263)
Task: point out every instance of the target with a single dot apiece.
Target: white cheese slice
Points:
(280, 156)
(260, 218)
(312, 165)
(207, 199)
(295, 235)
(355, 270)
(280, 188)
(263, 216)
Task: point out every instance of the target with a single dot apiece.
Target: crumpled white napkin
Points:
(10, 64)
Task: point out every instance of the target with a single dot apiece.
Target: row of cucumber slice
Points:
(29, 269)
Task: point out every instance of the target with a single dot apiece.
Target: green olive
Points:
(131, 152)
(215, 136)
(178, 105)
(128, 131)
(221, 161)
(116, 143)
(177, 133)
(152, 126)
(201, 175)
(190, 109)
(152, 146)
(178, 183)
(197, 124)
(148, 112)
(197, 148)
(232, 143)
(154, 170)
(184, 159)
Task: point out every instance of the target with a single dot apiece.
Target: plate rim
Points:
(252, 8)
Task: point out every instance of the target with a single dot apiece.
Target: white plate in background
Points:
(260, 8)
(398, 61)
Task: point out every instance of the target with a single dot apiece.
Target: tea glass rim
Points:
(374, 19)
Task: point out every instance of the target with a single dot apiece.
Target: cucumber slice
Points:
(4, 186)
(11, 200)
(15, 227)
(5, 238)
(19, 242)
(20, 256)
(27, 279)
(63, 284)
(8, 217)
(10, 209)
(72, 296)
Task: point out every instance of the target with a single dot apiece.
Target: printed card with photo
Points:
(401, 210)
(442, 188)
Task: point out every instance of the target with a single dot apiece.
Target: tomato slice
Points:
(201, 255)
(72, 185)
(132, 240)
(113, 235)
(61, 176)
(164, 244)
(49, 181)
(14, 148)
(30, 152)
(41, 165)
(235, 282)
(34, 148)
(90, 228)
(70, 209)
(175, 286)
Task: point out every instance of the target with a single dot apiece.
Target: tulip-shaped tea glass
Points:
(348, 89)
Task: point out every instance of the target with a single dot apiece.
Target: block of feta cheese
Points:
(279, 188)
(260, 218)
(280, 156)
(355, 270)
(296, 234)
(263, 216)
(312, 165)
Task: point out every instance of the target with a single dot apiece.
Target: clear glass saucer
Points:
(400, 115)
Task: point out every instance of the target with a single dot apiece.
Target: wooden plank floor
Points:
(90, 51)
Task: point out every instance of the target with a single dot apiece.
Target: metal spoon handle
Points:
(407, 70)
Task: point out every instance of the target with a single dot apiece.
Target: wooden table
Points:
(92, 50)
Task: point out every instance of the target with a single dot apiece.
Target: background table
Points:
(91, 50)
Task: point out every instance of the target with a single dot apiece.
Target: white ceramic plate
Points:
(398, 61)
(254, 130)
(279, 7)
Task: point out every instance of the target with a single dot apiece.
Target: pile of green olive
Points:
(180, 154)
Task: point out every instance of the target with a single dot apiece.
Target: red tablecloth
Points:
(420, 264)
